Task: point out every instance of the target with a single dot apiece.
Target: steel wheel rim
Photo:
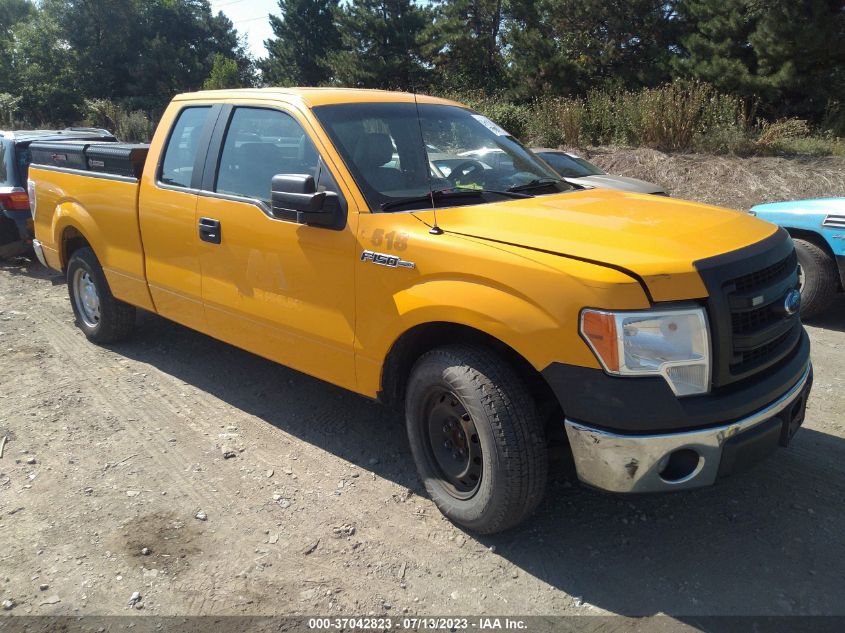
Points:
(802, 277)
(86, 298)
(453, 444)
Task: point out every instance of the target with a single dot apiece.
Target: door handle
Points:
(210, 230)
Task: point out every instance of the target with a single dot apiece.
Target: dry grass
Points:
(728, 181)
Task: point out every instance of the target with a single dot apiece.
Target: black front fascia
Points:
(647, 405)
(727, 303)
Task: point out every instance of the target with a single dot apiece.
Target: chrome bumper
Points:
(637, 463)
(39, 252)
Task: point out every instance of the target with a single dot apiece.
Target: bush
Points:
(679, 116)
(132, 126)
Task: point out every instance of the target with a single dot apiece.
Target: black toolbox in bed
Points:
(121, 159)
(70, 154)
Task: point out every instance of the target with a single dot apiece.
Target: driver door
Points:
(271, 285)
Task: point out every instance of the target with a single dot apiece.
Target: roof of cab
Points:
(312, 97)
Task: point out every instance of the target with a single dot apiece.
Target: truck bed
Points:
(104, 200)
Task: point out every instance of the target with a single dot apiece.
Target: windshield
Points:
(570, 166)
(395, 158)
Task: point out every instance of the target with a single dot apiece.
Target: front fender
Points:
(810, 217)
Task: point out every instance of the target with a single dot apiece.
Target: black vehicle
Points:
(15, 219)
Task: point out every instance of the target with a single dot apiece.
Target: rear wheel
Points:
(818, 277)
(99, 315)
(476, 438)
(10, 239)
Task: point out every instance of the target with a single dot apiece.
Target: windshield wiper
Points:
(535, 184)
(445, 194)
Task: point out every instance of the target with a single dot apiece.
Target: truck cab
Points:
(502, 310)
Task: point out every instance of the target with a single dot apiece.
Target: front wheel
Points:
(818, 277)
(99, 315)
(476, 438)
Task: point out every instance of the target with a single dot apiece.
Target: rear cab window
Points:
(180, 154)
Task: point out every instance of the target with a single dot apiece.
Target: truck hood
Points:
(652, 238)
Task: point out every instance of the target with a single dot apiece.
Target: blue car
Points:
(818, 229)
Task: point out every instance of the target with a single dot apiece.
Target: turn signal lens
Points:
(600, 330)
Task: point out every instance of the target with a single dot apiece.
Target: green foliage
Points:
(566, 47)
(463, 44)
(224, 74)
(674, 75)
(304, 36)
(790, 55)
(382, 43)
(8, 108)
(678, 116)
(132, 126)
(138, 53)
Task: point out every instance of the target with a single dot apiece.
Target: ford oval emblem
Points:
(792, 302)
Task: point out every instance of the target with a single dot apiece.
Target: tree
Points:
(304, 35)
(567, 47)
(464, 44)
(224, 74)
(43, 68)
(790, 55)
(12, 12)
(382, 44)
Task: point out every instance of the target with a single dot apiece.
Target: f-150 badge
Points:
(391, 261)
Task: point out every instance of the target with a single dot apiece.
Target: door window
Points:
(177, 168)
(261, 143)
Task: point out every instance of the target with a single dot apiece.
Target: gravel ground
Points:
(114, 481)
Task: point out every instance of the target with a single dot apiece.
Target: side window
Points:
(177, 168)
(261, 143)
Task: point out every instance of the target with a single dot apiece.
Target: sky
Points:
(250, 18)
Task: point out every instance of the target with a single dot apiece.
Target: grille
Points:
(758, 278)
(754, 356)
(761, 332)
(747, 322)
(835, 221)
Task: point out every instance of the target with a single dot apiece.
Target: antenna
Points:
(435, 230)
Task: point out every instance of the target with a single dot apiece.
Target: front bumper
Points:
(689, 459)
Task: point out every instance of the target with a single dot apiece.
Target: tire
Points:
(100, 316)
(472, 399)
(820, 278)
(10, 239)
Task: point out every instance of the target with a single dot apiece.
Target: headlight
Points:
(674, 344)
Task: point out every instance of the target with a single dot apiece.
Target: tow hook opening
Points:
(681, 465)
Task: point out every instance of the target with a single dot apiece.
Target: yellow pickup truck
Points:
(504, 310)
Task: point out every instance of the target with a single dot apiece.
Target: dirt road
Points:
(112, 453)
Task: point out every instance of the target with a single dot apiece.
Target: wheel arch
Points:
(70, 241)
(424, 337)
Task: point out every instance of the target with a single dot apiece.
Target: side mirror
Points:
(297, 193)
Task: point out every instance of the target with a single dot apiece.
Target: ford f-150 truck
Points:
(504, 310)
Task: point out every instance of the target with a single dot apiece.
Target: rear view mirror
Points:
(298, 193)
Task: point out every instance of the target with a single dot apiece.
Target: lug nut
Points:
(447, 444)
